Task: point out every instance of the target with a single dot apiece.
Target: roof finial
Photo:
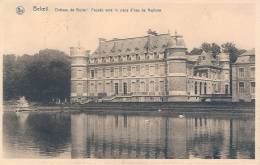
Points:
(176, 36)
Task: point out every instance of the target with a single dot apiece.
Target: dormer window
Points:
(95, 60)
(103, 59)
(111, 59)
(146, 56)
(156, 55)
(128, 57)
(120, 59)
(137, 57)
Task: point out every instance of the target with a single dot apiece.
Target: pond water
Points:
(124, 135)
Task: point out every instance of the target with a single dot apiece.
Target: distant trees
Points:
(215, 49)
(42, 77)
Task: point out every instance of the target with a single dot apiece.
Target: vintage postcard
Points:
(134, 82)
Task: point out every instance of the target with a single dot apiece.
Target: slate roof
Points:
(247, 57)
(155, 43)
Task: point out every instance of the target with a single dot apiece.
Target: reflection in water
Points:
(127, 136)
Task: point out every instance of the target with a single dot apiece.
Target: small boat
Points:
(181, 116)
(159, 110)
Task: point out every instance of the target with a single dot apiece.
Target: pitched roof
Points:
(249, 52)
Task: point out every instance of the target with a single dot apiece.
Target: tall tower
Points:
(79, 90)
(176, 63)
(225, 74)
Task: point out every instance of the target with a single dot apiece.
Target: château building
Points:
(243, 77)
(151, 68)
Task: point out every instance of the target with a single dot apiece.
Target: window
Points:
(151, 86)
(252, 72)
(203, 57)
(95, 60)
(104, 72)
(137, 57)
(112, 72)
(196, 88)
(147, 69)
(241, 87)
(108, 74)
(252, 87)
(128, 57)
(200, 87)
(133, 71)
(79, 74)
(137, 70)
(252, 59)
(92, 73)
(205, 88)
(116, 72)
(103, 59)
(133, 87)
(162, 86)
(156, 69)
(116, 88)
(124, 72)
(146, 56)
(120, 59)
(156, 55)
(129, 71)
(142, 87)
(226, 89)
(125, 88)
(152, 70)
(241, 72)
(111, 59)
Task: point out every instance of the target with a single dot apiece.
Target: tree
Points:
(196, 51)
(206, 47)
(215, 49)
(41, 77)
(232, 50)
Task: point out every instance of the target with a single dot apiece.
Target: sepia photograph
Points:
(128, 80)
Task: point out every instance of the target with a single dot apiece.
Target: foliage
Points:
(42, 77)
(215, 49)
(232, 50)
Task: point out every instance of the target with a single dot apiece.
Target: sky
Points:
(201, 22)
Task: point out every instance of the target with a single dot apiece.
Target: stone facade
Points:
(151, 68)
(243, 77)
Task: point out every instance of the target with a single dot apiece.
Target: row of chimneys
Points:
(149, 32)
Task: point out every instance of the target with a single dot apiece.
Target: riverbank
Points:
(152, 106)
